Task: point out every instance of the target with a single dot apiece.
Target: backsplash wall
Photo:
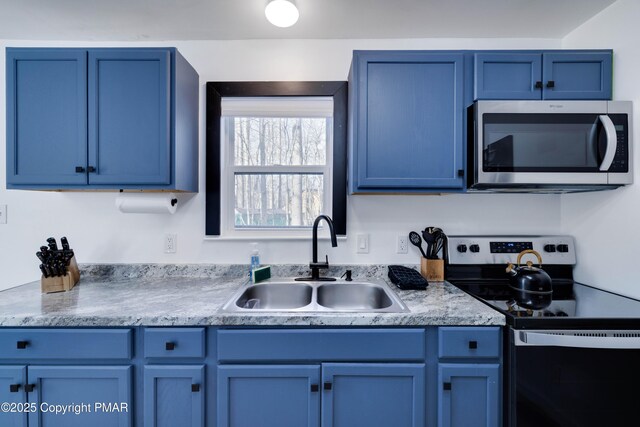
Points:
(101, 234)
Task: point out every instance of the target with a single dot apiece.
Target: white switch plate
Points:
(3, 214)
(170, 243)
(362, 244)
(402, 245)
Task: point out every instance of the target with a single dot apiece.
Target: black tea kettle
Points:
(531, 285)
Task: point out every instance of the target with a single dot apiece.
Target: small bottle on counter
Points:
(255, 258)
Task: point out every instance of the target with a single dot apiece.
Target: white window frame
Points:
(304, 107)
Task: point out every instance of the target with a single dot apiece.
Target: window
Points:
(275, 159)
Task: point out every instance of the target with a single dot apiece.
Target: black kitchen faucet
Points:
(315, 265)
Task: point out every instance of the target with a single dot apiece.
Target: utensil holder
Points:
(61, 283)
(432, 269)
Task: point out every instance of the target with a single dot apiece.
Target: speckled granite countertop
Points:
(181, 295)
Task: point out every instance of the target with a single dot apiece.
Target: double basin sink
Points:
(310, 296)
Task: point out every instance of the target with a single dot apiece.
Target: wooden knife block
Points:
(432, 269)
(61, 283)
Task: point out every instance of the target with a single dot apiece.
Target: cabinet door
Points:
(12, 381)
(268, 396)
(373, 395)
(96, 396)
(174, 396)
(129, 116)
(577, 75)
(409, 121)
(468, 395)
(508, 76)
(46, 116)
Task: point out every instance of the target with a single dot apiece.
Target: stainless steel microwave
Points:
(549, 146)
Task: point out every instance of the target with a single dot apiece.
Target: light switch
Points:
(3, 214)
(362, 244)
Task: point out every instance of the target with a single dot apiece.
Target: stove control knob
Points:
(563, 248)
(549, 248)
(474, 248)
(462, 248)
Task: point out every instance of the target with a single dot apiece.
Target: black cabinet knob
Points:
(169, 346)
(473, 345)
(195, 388)
(29, 387)
(446, 386)
(80, 169)
(91, 169)
(314, 388)
(21, 345)
(327, 386)
(551, 84)
(14, 388)
(538, 85)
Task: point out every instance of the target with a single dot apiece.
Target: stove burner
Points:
(514, 309)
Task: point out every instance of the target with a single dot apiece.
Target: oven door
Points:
(574, 378)
(519, 143)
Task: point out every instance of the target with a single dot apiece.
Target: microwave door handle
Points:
(612, 142)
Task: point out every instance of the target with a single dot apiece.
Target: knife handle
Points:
(65, 243)
(52, 244)
(45, 273)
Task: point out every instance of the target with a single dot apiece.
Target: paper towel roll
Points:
(147, 203)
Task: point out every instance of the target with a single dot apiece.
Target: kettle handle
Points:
(529, 251)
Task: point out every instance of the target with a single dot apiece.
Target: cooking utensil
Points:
(429, 236)
(531, 286)
(416, 241)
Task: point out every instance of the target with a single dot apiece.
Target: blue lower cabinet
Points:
(95, 396)
(12, 392)
(373, 395)
(469, 395)
(268, 396)
(174, 396)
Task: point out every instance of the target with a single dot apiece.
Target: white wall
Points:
(606, 225)
(100, 234)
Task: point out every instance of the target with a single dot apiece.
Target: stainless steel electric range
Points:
(573, 363)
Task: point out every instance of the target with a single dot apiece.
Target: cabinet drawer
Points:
(469, 342)
(174, 342)
(322, 345)
(65, 343)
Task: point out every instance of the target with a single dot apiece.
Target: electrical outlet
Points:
(363, 244)
(170, 243)
(402, 246)
(3, 214)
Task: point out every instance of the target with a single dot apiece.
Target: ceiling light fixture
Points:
(282, 13)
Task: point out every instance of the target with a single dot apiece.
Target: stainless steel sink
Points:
(288, 295)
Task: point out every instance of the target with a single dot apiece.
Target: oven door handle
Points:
(540, 339)
(612, 142)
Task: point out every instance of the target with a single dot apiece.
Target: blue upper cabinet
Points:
(577, 75)
(46, 117)
(102, 119)
(407, 121)
(129, 120)
(508, 76)
(543, 75)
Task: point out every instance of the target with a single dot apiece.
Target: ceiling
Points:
(88, 20)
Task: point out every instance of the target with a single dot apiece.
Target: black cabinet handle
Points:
(195, 388)
(327, 386)
(91, 169)
(473, 345)
(169, 346)
(314, 388)
(461, 172)
(538, 85)
(446, 386)
(29, 387)
(551, 84)
(21, 345)
(80, 169)
(14, 388)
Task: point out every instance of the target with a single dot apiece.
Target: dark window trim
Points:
(217, 90)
